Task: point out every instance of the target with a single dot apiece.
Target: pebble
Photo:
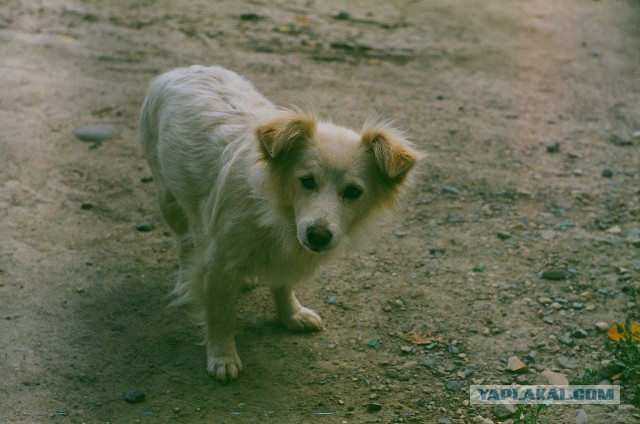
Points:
(565, 362)
(331, 300)
(96, 133)
(504, 410)
(452, 386)
(553, 147)
(577, 305)
(581, 417)
(451, 190)
(556, 305)
(554, 274)
(391, 373)
(406, 350)
(444, 421)
(515, 365)
(374, 407)
(144, 226)
(548, 320)
(482, 420)
(565, 340)
(555, 378)
(545, 300)
(602, 326)
(410, 365)
(453, 349)
(503, 235)
(579, 333)
(134, 396)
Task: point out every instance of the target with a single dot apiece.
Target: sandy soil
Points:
(483, 86)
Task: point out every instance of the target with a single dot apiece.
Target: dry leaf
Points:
(616, 336)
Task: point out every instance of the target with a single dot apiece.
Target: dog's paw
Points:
(303, 320)
(224, 368)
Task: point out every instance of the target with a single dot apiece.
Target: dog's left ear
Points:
(392, 153)
(284, 132)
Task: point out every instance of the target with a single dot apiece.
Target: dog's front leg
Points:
(221, 295)
(292, 314)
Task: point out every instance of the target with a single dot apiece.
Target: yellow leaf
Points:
(616, 336)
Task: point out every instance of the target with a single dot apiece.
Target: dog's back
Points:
(195, 113)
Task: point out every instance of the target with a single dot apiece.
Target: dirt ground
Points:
(485, 87)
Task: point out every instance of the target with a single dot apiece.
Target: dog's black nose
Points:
(318, 237)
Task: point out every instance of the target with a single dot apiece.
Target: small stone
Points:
(515, 365)
(452, 386)
(331, 300)
(579, 333)
(453, 349)
(581, 417)
(96, 133)
(567, 363)
(406, 350)
(504, 410)
(614, 230)
(553, 147)
(547, 320)
(545, 300)
(577, 305)
(451, 190)
(479, 419)
(400, 234)
(144, 226)
(565, 340)
(410, 365)
(607, 173)
(374, 407)
(503, 235)
(554, 274)
(466, 373)
(444, 421)
(602, 326)
(421, 403)
(556, 305)
(426, 363)
(555, 378)
(134, 396)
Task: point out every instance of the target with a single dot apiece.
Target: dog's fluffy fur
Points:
(256, 192)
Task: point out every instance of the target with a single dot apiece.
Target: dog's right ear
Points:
(284, 132)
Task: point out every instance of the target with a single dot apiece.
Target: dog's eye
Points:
(352, 192)
(308, 182)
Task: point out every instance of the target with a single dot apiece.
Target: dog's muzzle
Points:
(318, 238)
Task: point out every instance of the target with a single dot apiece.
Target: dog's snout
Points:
(318, 237)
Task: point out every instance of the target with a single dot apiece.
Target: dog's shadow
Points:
(130, 339)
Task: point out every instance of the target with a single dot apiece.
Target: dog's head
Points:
(329, 179)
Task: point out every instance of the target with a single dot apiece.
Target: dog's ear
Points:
(393, 154)
(282, 133)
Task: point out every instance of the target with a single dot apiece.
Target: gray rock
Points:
(96, 133)
(602, 326)
(452, 386)
(567, 363)
(444, 421)
(504, 410)
(555, 377)
(548, 320)
(582, 417)
(565, 340)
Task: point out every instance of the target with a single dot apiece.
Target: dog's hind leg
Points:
(292, 314)
(176, 218)
(220, 297)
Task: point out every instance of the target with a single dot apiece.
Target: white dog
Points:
(256, 192)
